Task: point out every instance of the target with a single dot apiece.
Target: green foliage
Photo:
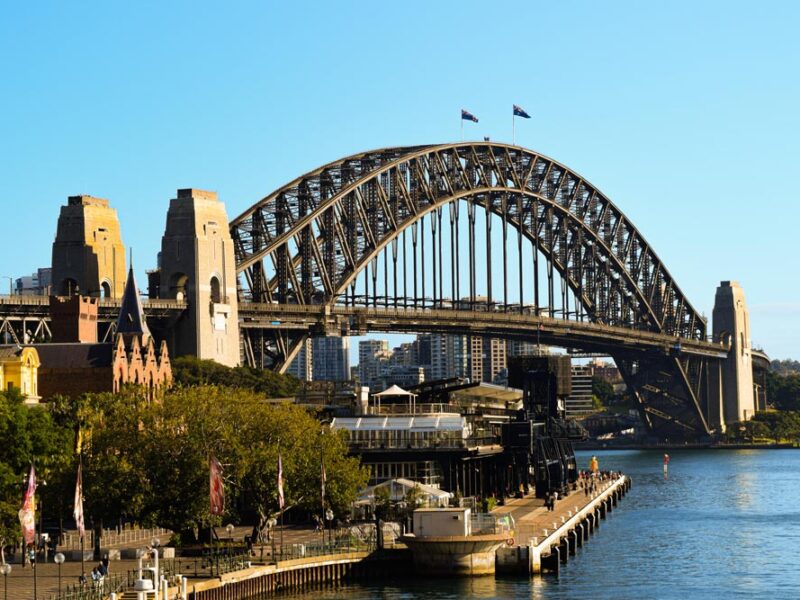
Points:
(783, 391)
(785, 367)
(597, 404)
(151, 460)
(777, 426)
(191, 371)
(603, 391)
(383, 502)
(29, 434)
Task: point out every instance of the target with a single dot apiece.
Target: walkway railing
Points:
(112, 537)
(93, 590)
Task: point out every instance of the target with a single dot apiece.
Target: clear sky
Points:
(684, 113)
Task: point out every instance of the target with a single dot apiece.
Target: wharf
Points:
(545, 539)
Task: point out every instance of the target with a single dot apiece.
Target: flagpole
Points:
(83, 536)
(462, 128)
(513, 129)
(35, 558)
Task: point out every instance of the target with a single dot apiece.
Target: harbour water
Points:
(721, 524)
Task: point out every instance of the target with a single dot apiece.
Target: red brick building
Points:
(76, 363)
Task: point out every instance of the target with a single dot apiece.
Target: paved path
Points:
(21, 586)
(532, 518)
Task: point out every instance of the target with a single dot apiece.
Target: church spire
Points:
(131, 320)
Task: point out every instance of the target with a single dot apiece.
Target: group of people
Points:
(98, 573)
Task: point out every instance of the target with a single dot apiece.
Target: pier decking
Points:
(545, 539)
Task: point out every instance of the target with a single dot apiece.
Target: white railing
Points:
(113, 537)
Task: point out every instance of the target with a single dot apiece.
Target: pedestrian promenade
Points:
(532, 518)
(21, 580)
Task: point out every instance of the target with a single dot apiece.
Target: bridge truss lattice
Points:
(416, 228)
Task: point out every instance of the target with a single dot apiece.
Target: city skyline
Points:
(690, 139)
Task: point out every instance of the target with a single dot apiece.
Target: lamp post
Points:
(229, 529)
(59, 558)
(329, 519)
(323, 476)
(6, 570)
(154, 544)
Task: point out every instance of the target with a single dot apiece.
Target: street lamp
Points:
(229, 529)
(154, 544)
(6, 570)
(58, 559)
(329, 519)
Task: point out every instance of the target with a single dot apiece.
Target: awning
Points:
(428, 423)
(393, 391)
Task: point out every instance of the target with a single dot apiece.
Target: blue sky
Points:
(683, 113)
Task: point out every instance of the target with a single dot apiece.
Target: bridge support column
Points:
(197, 265)
(733, 387)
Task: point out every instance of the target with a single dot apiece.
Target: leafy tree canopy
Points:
(150, 461)
(602, 390)
(783, 391)
(191, 371)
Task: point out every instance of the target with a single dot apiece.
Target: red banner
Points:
(281, 499)
(216, 488)
(27, 514)
(77, 510)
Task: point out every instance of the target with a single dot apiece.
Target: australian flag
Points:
(518, 112)
(468, 116)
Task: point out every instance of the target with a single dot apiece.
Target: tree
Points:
(783, 391)
(191, 371)
(156, 455)
(30, 435)
(603, 390)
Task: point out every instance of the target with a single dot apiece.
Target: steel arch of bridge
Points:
(319, 232)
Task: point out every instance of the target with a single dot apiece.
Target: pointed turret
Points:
(131, 320)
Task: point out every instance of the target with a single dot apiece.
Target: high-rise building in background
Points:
(36, 284)
(579, 402)
(449, 356)
(331, 358)
(487, 358)
(372, 356)
(302, 365)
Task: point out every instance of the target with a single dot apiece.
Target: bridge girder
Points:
(307, 242)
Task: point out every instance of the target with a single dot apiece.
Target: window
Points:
(216, 292)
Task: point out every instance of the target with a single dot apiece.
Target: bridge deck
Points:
(359, 320)
(505, 324)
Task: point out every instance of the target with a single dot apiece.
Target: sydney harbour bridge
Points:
(468, 238)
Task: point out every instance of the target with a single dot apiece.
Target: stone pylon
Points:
(88, 255)
(732, 394)
(197, 264)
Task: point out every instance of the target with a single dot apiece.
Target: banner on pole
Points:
(281, 499)
(77, 511)
(216, 489)
(27, 514)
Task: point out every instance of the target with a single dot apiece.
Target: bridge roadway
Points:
(360, 320)
(509, 325)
